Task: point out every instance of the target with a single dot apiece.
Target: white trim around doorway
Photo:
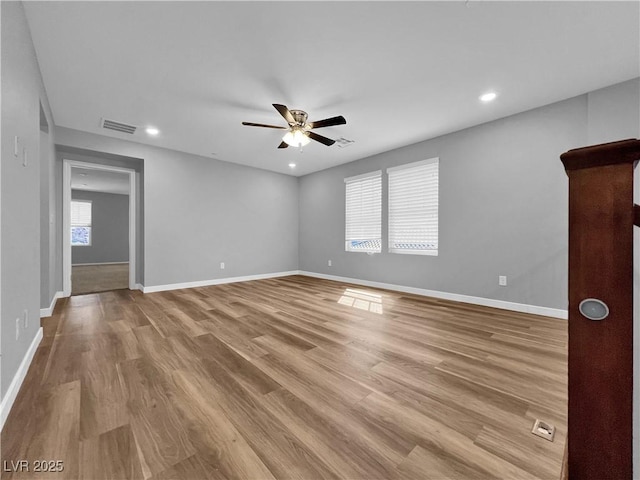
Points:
(66, 220)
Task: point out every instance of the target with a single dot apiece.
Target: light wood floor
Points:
(290, 378)
(99, 278)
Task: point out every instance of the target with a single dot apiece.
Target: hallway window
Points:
(80, 222)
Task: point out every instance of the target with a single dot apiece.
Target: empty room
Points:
(320, 240)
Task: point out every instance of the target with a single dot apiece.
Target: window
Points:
(80, 222)
(413, 208)
(364, 213)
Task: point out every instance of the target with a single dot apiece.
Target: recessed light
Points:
(489, 96)
(85, 184)
(292, 165)
(83, 174)
(152, 131)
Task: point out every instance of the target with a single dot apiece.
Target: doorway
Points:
(99, 228)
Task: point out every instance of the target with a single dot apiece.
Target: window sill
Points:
(433, 253)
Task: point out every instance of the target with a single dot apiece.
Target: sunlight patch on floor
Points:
(362, 300)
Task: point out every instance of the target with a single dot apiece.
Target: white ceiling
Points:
(99, 181)
(399, 72)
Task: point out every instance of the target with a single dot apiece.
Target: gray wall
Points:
(20, 200)
(614, 113)
(200, 212)
(503, 211)
(109, 229)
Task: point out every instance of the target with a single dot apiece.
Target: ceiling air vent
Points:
(118, 126)
(343, 142)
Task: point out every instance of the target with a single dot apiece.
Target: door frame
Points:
(66, 219)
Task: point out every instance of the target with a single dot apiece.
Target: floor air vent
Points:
(544, 430)
(118, 126)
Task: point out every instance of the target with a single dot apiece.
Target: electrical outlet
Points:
(221, 265)
(329, 263)
(502, 280)
(17, 328)
(25, 319)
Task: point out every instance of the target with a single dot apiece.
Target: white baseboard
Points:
(16, 383)
(217, 281)
(140, 287)
(487, 302)
(47, 312)
(99, 263)
(456, 297)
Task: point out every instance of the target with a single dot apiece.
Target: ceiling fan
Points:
(300, 133)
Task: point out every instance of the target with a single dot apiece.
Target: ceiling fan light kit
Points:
(300, 133)
(296, 137)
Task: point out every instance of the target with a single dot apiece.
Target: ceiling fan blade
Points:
(328, 122)
(319, 138)
(284, 111)
(250, 124)
(283, 145)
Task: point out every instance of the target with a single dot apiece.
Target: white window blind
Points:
(363, 229)
(80, 213)
(413, 208)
